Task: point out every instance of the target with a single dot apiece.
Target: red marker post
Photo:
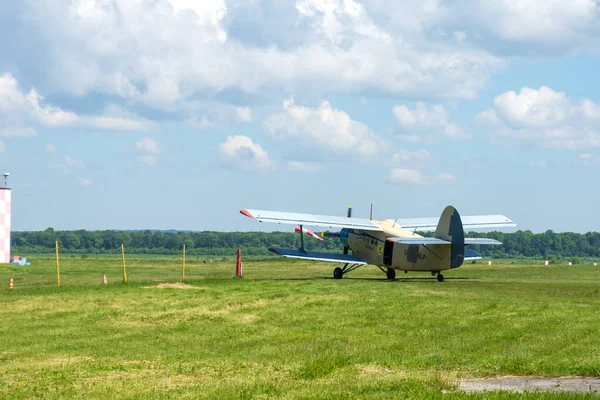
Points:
(238, 266)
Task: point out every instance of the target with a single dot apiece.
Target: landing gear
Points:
(391, 274)
(338, 273)
(440, 278)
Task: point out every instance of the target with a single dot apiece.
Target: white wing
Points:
(325, 221)
(469, 222)
(469, 241)
(418, 240)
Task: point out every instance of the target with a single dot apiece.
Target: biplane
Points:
(390, 245)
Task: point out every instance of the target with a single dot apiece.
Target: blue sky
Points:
(175, 114)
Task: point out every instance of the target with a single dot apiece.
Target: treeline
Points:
(548, 245)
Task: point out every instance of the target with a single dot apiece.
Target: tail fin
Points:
(450, 228)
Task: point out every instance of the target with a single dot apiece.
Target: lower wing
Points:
(313, 255)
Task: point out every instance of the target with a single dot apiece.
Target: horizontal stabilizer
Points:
(418, 240)
(469, 241)
(468, 222)
(325, 221)
(313, 255)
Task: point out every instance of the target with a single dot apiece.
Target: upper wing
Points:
(469, 222)
(326, 221)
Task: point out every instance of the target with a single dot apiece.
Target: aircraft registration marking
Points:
(420, 255)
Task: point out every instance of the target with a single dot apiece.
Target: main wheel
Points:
(440, 278)
(391, 274)
(337, 273)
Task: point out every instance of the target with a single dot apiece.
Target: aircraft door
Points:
(388, 252)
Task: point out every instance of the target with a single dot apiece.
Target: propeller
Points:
(322, 235)
(309, 233)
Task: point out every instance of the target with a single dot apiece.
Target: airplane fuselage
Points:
(375, 249)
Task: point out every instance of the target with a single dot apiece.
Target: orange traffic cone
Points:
(104, 281)
(11, 284)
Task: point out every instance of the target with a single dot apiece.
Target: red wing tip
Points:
(272, 250)
(246, 213)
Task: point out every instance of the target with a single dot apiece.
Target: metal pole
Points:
(183, 266)
(57, 267)
(123, 261)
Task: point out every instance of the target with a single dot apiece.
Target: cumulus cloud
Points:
(242, 153)
(149, 148)
(67, 164)
(21, 112)
(305, 166)
(244, 114)
(73, 163)
(141, 51)
(426, 125)
(211, 115)
(325, 130)
(543, 118)
(415, 177)
(417, 156)
(84, 181)
(50, 149)
(586, 159)
(520, 26)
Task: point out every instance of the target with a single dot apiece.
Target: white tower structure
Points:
(5, 209)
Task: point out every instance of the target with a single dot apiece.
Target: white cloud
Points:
(2, 147)
(340, 20)
(244, 114)
(138, 52)
(427, 125)
(586, 158)
(50, 149)
(415, 177)
(543, 118)
(148, 160)
(84, 181)
(150, 149)
(412, 156)
(142, 51)
(21, 112)
(305, 166)
(214, 115)
(241, 152)
(324, 129)
(550, 26)
(540, 163)
(148, 145)
(72, 163)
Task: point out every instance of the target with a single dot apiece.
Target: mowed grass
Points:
(287, 330)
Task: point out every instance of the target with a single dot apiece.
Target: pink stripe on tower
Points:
(5, 208)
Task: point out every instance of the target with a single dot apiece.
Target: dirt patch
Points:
(531, 383)
(171, 286)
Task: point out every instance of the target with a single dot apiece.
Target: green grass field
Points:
(287, 330)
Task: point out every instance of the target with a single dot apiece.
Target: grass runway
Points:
(287, 330)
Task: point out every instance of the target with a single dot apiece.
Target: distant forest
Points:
(548, 245)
